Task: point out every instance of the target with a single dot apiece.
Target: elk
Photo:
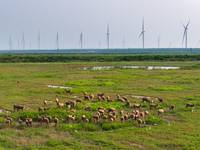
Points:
(56, 99)
(20, 107)
(68, 91)
(189, 105)
(55, 120)
(45, 102)
(153, 106)
(172, 107)
(79, 101)
(161, 100)
(137, 106)
(160, 111)
(91, 96)
(101, 94)
(146, 100)
(86, 97)
(87, 107)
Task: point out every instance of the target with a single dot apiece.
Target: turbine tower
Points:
(107, 36)
(10, 42)
(158, 41)
(18, 44)
(39, 40)
(57, 42)
(142, 33)
(23, 41)
(123, 43)
(81, 40)
(185, 33)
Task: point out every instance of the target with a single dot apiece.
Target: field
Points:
(178, 129)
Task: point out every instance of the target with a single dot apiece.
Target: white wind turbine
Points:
(185, 33)
(142, 33)
(81, 40)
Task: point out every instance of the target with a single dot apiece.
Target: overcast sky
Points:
(70, 17)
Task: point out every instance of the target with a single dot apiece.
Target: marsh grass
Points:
(177, 87)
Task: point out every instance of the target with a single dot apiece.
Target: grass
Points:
(178, 129)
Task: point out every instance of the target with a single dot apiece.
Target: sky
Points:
(71, 17)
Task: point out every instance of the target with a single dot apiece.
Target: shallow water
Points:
(131, 67)
(162, 68)
(61, 87)
(4, 111)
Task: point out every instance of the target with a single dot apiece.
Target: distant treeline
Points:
(104, 58)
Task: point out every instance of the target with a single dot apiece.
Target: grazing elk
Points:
(189, 105)
(68, 91)
(172, 107)
(137, 106)
(86, 97)
(20, 107)
(101, 94)
(47, 108)
(160, 112)
(153, 106)
(161, 100)
(87, 107)
(91, 96)
(146, 100)
(79, 101)
(45, 102)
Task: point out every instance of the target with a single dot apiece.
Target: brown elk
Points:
(154, 106)
(189, 105)
(68, 91)
(172, 107)
(137, 106)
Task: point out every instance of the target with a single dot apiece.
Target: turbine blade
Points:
(198, 42)
(143, 25)
(187, 23)
(184, 36)
(140, 34)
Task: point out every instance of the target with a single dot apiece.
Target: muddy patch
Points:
(170, 119)
(136, 145)
(28, 108)
(75, 96)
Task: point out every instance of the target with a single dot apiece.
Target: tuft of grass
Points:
(46, 76)
(109, 126)
(163, 88)
(153, 120)
(119, 88)
(117, 77)
(91, 83)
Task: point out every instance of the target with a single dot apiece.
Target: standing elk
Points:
(68, 91)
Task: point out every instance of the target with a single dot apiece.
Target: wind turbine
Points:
(185, 33)
(10, 42)
(158, 41)
(107, 36)
(123, 42)
(142, 33)
(18, 44)
(81, 39)
(23, 41)
(57, 42)
(38, 40)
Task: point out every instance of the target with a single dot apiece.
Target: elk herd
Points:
(109, 114)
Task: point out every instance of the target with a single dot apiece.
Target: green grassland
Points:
(178, 129)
